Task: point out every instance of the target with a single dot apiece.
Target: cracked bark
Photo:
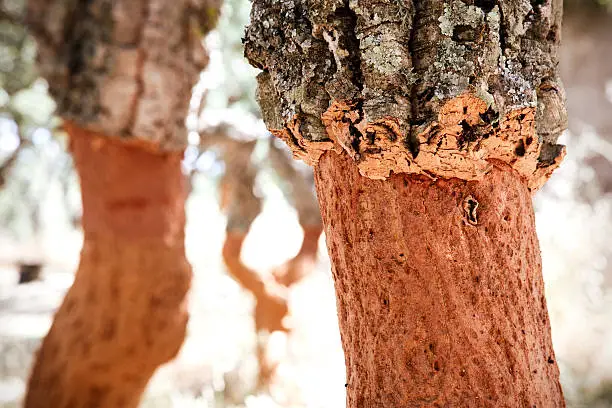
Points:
(428, 123)
(120, 73)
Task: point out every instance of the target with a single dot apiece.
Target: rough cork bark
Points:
(431, 87)
(428, 123)
(123, 67)
(121, 73)
(125, 313)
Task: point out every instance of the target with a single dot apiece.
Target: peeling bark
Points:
(125, 313)
(383, 80)
(123, 67)
(428, 123)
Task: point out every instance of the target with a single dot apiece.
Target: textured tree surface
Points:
(123, 67)
(125, 313)
(443, 303)
(428, 123)
(121, 73)
(431, 87)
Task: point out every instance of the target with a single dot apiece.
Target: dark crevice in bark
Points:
(485, 5)
(140, 85)
(75, 48)
(78, 48)
(355, 133)
(520, 149)
(411, 142)
(347, 22)
(502, 29)
(490, 116)
(356, 140)
(405, 61)
(469, 134)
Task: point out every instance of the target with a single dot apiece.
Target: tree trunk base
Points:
(125, 314)
(439, 289)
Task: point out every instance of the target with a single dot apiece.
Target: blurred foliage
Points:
(32, 155)
(230, 80)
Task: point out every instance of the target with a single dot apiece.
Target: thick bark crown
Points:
(123, 67)
(419, 86)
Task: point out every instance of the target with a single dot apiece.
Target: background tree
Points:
(121, 73)
(228, 102)
(241, 204)
(428, 124)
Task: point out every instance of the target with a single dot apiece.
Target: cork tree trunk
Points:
(121, 73)
(428, 123)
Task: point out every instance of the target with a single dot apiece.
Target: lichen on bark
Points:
(383, 80)
(123, 67)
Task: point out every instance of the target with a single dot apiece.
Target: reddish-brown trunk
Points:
(270, 306)
(304, 262)
(125, 313)
(439, 287)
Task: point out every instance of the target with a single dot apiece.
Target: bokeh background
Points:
(40, 233)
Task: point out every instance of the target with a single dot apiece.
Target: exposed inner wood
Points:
(439, 289)
(457, 144)
(125, 314)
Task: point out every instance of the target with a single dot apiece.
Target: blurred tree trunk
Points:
(299, 191)
(428, 123)
(241, 206)
(121, 73)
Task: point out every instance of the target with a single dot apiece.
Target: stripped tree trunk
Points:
(428, 123)
(125, 313)
(121, 73)
(444, 301)
(242, 206)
